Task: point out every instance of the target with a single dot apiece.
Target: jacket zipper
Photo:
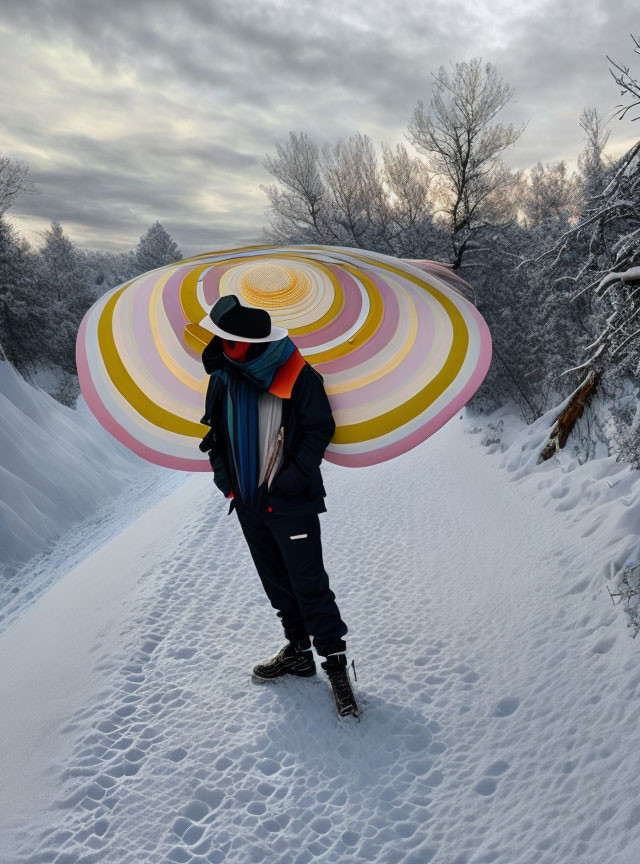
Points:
(273, 461)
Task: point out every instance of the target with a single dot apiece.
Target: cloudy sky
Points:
(129, 111)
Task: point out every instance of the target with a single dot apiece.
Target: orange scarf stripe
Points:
(286, 375)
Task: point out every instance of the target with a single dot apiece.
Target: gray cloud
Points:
(127, 112)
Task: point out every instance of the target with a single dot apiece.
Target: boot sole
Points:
(260, 680)
(355, 714)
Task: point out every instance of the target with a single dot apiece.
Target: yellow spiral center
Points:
(272, 285)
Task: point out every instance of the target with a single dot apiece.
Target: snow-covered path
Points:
(500, 709)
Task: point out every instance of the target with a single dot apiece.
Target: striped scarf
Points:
(244, 383)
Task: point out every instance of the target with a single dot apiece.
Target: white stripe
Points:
(351, 331)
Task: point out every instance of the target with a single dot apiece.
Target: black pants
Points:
(287, 552)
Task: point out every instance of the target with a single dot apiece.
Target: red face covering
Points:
(235, 349)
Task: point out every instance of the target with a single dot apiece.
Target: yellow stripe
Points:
(128, 388)
(338, 298)
(155, 303)
(189, 302)
(364, 332)
(197, 337)
(395, 360)
(226, 252)
(332, 312)
(336, 305)
(355, 433)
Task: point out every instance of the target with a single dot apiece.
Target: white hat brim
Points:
(276, 333)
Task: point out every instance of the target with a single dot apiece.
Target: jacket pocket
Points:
(290, 483)
(220, 473)
(316, 485)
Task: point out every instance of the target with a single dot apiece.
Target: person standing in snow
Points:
(271, 423)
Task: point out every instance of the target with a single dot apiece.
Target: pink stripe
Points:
(163, 378)
(103, 416)
(381, 336)
(396, 376)
(399, 374)
(390, 451)
(171, 300)
(211, 281)
(484, 357)
(438, 269)
(345, 318)
(445, 273)
(195, 355)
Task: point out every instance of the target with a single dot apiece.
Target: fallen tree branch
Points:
(566, 420)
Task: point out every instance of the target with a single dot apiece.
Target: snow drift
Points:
(57, 465)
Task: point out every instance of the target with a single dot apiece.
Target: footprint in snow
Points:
(604, 645)
(489, 783)
(177, 754)
(487, 786)
(506, 706)
(497, 768)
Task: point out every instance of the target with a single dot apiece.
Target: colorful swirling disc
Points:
(399, 344)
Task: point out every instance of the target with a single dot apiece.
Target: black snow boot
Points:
(293, 659)
(336, 668)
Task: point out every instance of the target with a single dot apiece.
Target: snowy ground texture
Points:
(499, 686)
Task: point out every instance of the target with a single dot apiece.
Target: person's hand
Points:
(208, 442)
(289, 483)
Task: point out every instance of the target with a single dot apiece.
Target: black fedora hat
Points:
(231, 320)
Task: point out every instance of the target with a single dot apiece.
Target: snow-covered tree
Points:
(532, 331)
(156, 249)
(63, 293)
(463, 147)
(59, 261)
(21, 305)
(592, 164)
(349, 194)
(298, 203)
(109, 269)
(19, 309)
(357, 200)
(14, 181)
(565, 320)
(551, 194)
(628, 83)
(410, 208)
(595, 265)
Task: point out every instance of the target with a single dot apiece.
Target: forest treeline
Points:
(45, 292)
(553, 257)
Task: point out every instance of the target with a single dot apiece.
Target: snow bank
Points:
(57, 465)
(601, 494)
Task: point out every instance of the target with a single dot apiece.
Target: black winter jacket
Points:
(308, 426)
